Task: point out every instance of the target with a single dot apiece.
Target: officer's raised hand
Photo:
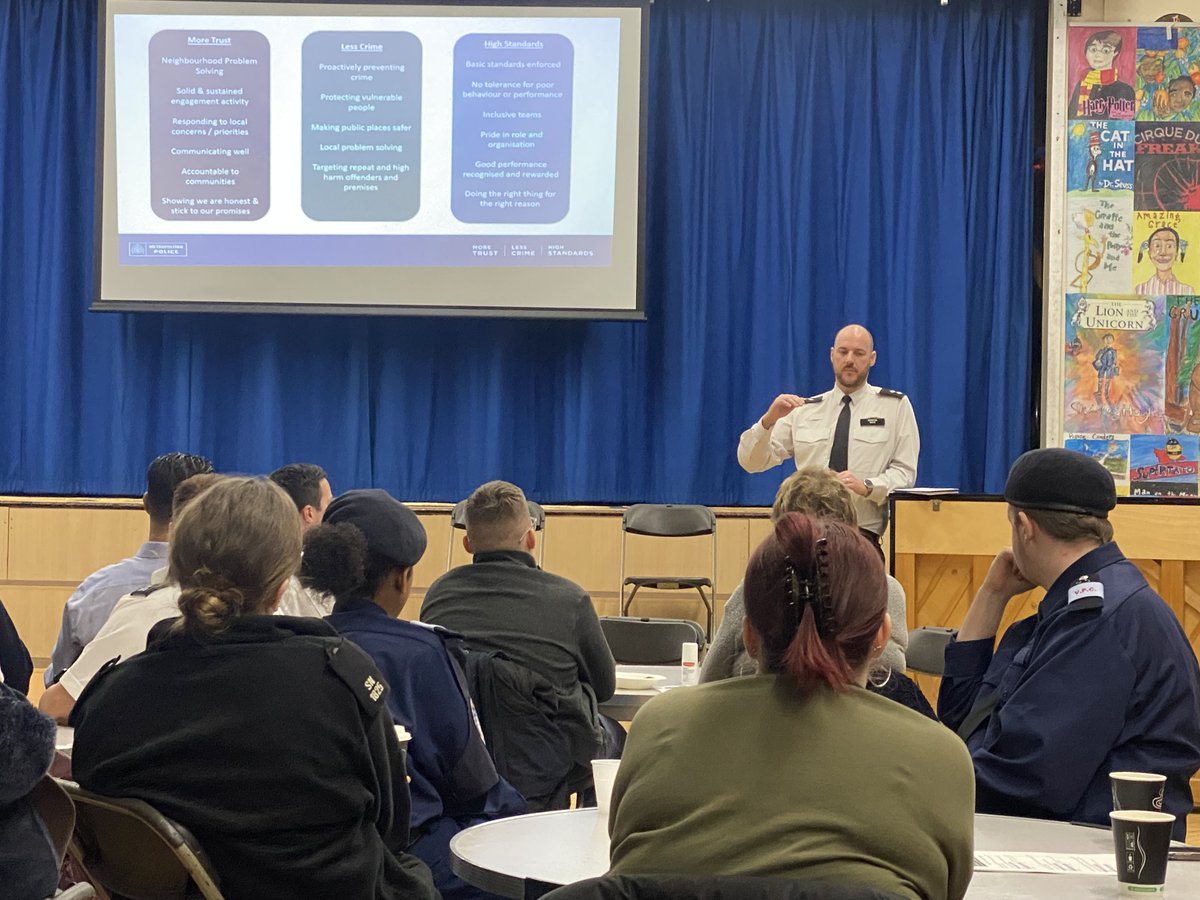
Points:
(780, 407)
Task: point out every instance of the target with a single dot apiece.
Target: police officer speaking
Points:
(866, 434)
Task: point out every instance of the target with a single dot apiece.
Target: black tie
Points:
(839, 456)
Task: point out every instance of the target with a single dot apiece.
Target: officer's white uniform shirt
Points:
(884, 444)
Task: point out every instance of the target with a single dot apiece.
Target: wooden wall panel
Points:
(36, 610)
(59, 544)
(1191, 600)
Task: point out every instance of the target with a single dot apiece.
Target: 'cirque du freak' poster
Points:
(1131, 241)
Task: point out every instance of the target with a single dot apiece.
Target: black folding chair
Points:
(649, 642)
(666, 520)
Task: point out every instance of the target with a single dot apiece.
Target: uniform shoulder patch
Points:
(359, 674)
(888, 392)
(148, 590)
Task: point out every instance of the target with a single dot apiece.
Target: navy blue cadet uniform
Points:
(454, 783)
(1085, 688)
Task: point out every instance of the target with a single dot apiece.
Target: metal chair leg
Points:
(628, 602)
(708, 609)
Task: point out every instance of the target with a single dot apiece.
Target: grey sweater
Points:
(727, 655)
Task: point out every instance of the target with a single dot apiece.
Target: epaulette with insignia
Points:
(817, 399)
(888, 392)
(359, 674)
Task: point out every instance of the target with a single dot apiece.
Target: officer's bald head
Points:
(854, 335)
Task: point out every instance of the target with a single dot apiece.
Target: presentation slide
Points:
(372, 157)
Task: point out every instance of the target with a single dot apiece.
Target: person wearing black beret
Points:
(1101, 679)
(363, 554)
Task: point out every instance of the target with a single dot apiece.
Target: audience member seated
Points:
(817, 492)
(1101, 679)
(128, 627)
(16, 666)
(503, 603)
(89, 607)
(28, 860)
(364, 556)
(308, 486)
(267, 736)
(799, 771)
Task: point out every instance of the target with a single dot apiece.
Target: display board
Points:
(1130, 316)
(371, 157)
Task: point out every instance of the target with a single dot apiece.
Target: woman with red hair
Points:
(799, 771)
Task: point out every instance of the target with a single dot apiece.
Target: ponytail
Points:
(208, 611)
(816, 595)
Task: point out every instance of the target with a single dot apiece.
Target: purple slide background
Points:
(234, 133)
(374, 154)
(540, 251)
(505, 194)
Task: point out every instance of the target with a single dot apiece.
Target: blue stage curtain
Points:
(810, 164)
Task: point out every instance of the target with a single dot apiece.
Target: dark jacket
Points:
(14, 657)
(1081, 689)
(272, 743)
(518, 712)
(503, 603)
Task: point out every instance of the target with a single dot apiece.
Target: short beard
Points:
(855, 385)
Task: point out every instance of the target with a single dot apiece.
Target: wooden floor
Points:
(1193, 833)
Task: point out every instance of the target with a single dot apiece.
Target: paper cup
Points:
(604, 773)
(1141, 839)
(1137, 790)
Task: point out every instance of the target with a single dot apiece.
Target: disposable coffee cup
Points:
(604, 773)
(1141, 839)
(1138, 790)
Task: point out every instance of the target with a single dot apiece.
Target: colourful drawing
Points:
(1113, 371)
(1100, 241)
(1101, 63)
(1162, 263)
(1181, 402)
(1131, 255)
(1166, 171)
(1110, 450)
(1163, 465)
(1168, 71)
(1099, 157)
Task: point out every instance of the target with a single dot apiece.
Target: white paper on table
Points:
(1047, 863)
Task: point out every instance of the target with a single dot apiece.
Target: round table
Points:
(556, 848)
(625, 703)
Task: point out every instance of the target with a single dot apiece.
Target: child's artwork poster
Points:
(1163, 465)
(1108, 450)
(1113, 371)
(1131, 241)
(1181, 374)
(1166, 161)
(1099, 233)
(1100, 158)
(1162, 265)
(1100, 63)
